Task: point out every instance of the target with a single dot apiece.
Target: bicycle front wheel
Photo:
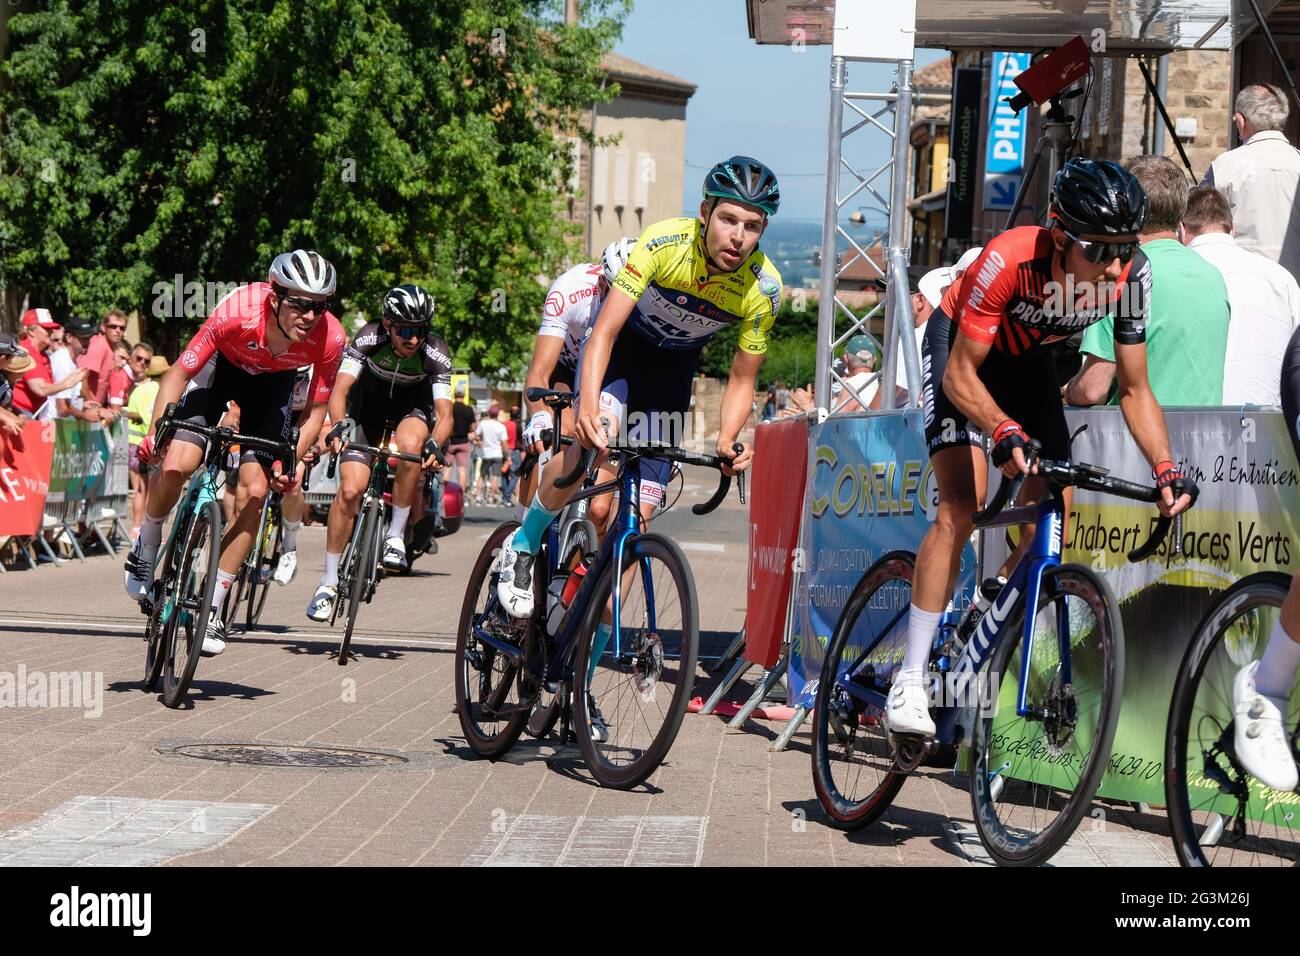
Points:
(854, 772)
(157, 634)
(195, 586)
(362, 567)
(1034, 777)
(1219, 815)
(629, 703)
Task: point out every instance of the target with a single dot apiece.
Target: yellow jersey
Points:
(680, 306)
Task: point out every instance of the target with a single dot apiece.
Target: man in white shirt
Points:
(71, 403)
(493, 435)
(1263, 296)
(1259, 178)
(927, 288)
(859, 362)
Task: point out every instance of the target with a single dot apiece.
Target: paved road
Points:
(125, 786)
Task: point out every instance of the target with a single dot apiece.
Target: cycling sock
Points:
(1276, 671)
(289, 537)
(921, 628)
(598, 644)
(151, 532)
(529, 536)
(330, 578)
(224, 581)
(397, 526)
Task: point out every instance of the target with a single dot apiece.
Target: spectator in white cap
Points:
(927, 288)
(863, 384)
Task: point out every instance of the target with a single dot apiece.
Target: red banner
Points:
(25, 462)
(775, 508)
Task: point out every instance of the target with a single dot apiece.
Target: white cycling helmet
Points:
(615, 257)
(301, 271)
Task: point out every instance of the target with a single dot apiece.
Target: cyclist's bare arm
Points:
(442, 427)
(595, 360)
(170, 389)
(546, 355)
(339, 397)
(961, 383)
(737, 406)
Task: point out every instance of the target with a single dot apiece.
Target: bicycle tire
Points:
(1006, 848)
(637, 770)
(1264, 589)
(358, 579)
(490, 744)
(546, 712)
(204, 531)
(155, 652)
(259, 589)
(847, 813)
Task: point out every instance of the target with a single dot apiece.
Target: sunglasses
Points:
(138, 359)
(410, 331)
(319, 306)
(1098, 252)
(116, 328)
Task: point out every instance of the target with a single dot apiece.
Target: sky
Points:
(768, 102)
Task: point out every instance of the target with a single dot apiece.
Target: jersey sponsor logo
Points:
(554, 305)
(675, 239)
(682, 300)
(633, 269)
(993, 266)
(189, 360)
(580, 294)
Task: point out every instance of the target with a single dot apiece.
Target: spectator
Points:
(1264, 297)
(138, 365)
(1187, 325)
(139, 415)
(463, 421)
(859, 361)
(769, 406)
(782, 396)
(11, 353)
(98, 360)
(35, 390)
(492, 433)
(927, 287)
(120, 382)
(1259, 177)
(71, 402)
(511, 420)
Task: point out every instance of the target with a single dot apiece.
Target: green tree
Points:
(406, 140)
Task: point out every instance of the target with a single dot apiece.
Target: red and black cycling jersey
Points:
(1009, 300)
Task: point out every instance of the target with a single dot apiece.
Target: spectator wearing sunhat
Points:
(35, 390)
(11, 354)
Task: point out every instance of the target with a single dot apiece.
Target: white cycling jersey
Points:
(571, 306)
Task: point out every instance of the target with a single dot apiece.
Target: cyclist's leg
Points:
(410, 435)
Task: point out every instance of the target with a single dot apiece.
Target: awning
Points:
(1150, 26)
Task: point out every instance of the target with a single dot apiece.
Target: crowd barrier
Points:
(870, 490)
(64, 480)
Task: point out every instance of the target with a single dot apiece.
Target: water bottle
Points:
(985, 595)
(560, 594)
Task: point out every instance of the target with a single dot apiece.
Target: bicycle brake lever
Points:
(740, 478)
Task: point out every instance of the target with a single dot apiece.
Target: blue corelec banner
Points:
(871, 491)
(1004, 155)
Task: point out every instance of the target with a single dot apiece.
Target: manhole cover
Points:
(275, 755)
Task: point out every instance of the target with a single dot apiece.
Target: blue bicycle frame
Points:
(1024, 585)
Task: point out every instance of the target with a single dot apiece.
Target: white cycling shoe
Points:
(394, 558)
(515, 584)
(907, 710)
(1259, 735)
(286, 569)
(214, 639)
(322, 603)
(139, 570)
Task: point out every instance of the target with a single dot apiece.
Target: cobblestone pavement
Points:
(130, 785)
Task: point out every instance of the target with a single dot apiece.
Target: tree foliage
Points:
(406, 140)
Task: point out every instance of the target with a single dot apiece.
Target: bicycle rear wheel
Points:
(852, 761)
(362, 567)
(1219, 815)
(267, 556)
(493, 694)
(1034, 777)
(196, 583)
(640, 686)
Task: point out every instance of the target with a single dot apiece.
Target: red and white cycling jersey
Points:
(237, 329)
(571, 306)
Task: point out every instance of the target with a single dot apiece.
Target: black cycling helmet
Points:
(1098, 197)
(409, 305)
(744, 179)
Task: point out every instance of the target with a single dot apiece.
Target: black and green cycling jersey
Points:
(370, 359)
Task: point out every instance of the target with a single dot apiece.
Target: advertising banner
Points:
(780, 466)
(25, 477)
(81, 455)
(1004, 157)
(965, 134)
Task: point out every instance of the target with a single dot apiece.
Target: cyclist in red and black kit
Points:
(248, 352)
(985, 371)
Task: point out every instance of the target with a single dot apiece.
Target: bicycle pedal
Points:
(911, 750)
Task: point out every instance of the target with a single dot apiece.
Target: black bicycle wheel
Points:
(1219, 815)
(493, 694)
(362, 567)
(260, 570)
(1034, 777)
(545, 713)
(196, 583)
(642, 683)
(155, 635)
(854, 773)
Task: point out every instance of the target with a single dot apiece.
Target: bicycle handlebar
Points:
(228, 436)
(1086, 477)
(377, 453)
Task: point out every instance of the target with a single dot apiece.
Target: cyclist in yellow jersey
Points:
(686, 280)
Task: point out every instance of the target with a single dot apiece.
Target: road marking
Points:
(702, 546)
(300, 635)
(125, 831)
(532, 840)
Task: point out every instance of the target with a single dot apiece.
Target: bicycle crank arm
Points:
(511, 653)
